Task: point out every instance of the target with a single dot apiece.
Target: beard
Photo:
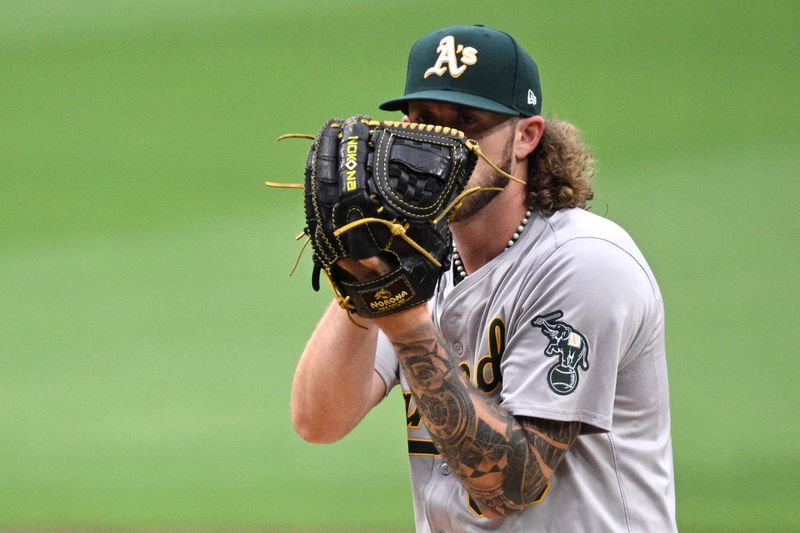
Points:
(490, 178)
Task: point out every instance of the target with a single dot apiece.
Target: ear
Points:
(405, 119)
(529, 133)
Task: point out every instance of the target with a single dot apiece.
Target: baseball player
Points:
(535, 380)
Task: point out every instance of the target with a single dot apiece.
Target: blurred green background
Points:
(148, 326)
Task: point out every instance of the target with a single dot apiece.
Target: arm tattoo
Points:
(504, 462)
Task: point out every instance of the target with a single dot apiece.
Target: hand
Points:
(377, 198)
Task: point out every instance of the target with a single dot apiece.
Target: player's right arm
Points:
(335, 383)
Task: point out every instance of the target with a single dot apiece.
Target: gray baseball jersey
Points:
(567, 324)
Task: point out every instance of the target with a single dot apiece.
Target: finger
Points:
(356, 269)
(376, 264)
(365, 269)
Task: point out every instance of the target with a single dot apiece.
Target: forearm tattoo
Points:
(503, 462)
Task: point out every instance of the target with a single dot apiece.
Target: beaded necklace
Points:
(458, 265)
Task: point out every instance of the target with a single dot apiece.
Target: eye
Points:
(465, 119)
(422, 118)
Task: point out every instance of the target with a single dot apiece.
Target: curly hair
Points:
(560, 169)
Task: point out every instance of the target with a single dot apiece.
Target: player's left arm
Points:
(504, 462)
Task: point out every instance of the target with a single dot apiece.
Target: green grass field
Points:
(148, 326)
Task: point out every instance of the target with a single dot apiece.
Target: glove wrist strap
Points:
(382, 296)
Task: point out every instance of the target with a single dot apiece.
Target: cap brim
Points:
(450, 97)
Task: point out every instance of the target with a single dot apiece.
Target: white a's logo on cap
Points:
(449, 56)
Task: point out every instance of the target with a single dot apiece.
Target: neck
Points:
(485, 235)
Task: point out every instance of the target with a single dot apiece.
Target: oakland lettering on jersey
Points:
(413, 418)
(488, 376)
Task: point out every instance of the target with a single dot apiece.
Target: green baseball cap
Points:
(473, 66)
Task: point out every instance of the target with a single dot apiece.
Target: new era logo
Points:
(531, 97)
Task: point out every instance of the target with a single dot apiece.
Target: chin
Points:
(473, 203)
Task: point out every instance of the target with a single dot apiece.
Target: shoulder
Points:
(593, 273)
(569, 224)
(584, 243)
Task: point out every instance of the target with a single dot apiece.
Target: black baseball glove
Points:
(384, 189)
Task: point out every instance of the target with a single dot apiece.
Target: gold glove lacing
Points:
(396, 229)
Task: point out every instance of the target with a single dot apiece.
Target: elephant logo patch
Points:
(571, 348)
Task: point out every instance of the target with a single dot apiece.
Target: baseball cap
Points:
(473, 66)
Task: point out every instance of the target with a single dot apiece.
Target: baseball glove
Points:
(384, 189)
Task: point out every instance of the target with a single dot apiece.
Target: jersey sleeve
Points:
(579, 316)
(386, 363)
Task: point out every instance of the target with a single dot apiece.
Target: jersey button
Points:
(445, 469)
